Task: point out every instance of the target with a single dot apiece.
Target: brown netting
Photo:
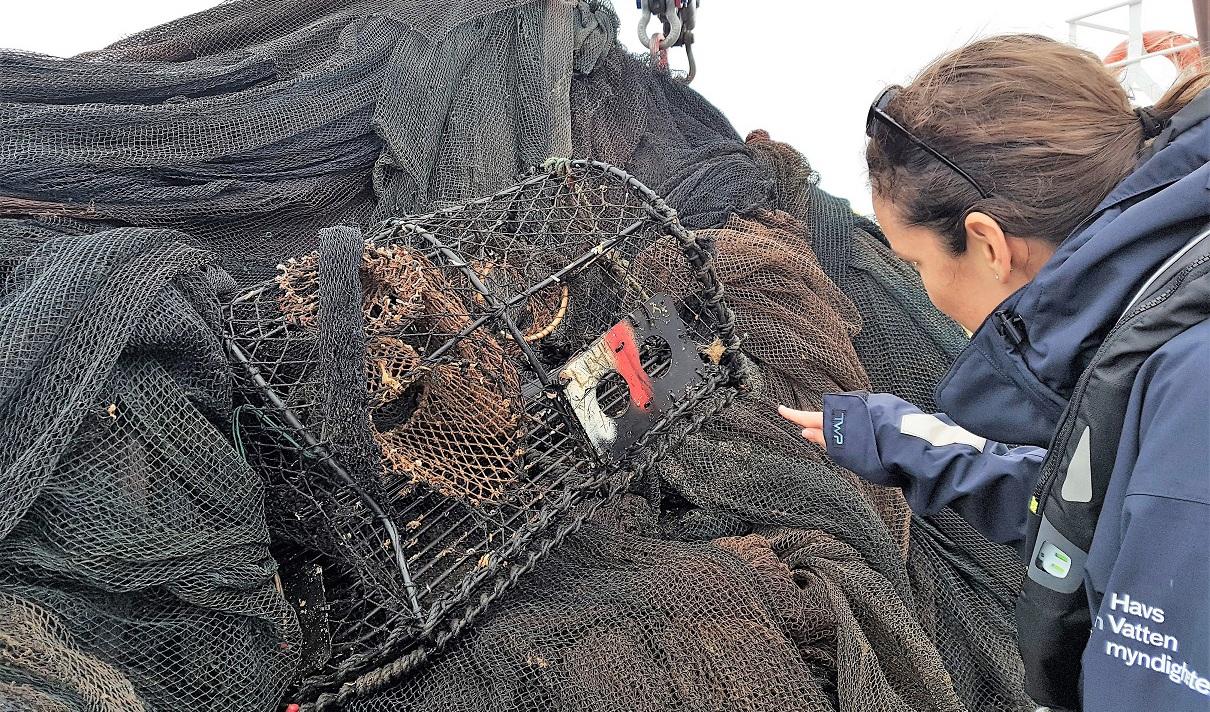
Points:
(863, 630)
(797, 323)
(964, 585)
(45, 669)
(798, 329)
(452, 425)
(905, 344)
(794, 180)
(460, 436)
(621, 619)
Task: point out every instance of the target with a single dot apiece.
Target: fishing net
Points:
(253, 125)
(626, 621)
(667, 135)
(374, 421)
(509, 359)
(751, 573)
(798, 328)
(134, 558)
(965, 585)
(905, 344)
(673, 139)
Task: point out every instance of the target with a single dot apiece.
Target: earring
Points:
(996, 275)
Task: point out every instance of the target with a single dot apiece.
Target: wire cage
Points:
(436, 407)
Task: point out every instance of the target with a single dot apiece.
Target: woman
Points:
(1036, 204)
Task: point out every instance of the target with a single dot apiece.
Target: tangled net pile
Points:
(152, 506)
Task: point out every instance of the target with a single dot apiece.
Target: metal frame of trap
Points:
(401, 652)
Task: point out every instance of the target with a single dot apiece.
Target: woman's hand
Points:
(811, 422)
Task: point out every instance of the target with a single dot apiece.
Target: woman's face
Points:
(966, 287)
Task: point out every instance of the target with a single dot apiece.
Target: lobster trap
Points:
(436, 407)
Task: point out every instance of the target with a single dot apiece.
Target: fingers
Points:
(811, 422)
(812, 419)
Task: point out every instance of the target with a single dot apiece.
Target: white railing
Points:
(1134, 77)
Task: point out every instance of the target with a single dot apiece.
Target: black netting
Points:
(254, 125)
(775, 620)
(670, 137)
(966, 588)
(134, 535)
(363, 430)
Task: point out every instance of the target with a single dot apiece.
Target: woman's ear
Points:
(987, 244)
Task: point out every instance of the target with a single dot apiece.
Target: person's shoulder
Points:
(1173, 436)
(1184, 360)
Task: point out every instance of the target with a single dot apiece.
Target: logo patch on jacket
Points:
(838, 427)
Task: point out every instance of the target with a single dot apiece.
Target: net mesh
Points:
(897, 314)
(136, 567)
(171, 536)
(965, 585)
(789, 620)
(255, 124)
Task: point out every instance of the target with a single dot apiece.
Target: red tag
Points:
(626, 360)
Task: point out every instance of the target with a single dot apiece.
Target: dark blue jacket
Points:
(1148, 573)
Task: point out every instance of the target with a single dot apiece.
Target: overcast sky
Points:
(805, 70)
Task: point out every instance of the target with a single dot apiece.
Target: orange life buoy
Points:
(1158, 41)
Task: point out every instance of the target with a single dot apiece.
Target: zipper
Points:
(1010, 326)
(1041, 491)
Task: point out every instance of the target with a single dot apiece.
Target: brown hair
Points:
(1042, 125)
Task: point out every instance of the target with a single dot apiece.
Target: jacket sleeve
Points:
(888, 441)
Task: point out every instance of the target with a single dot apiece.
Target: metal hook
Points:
(674, 25)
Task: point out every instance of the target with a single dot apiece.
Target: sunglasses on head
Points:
(878, 114)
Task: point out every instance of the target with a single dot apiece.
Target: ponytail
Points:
(1193, 82)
